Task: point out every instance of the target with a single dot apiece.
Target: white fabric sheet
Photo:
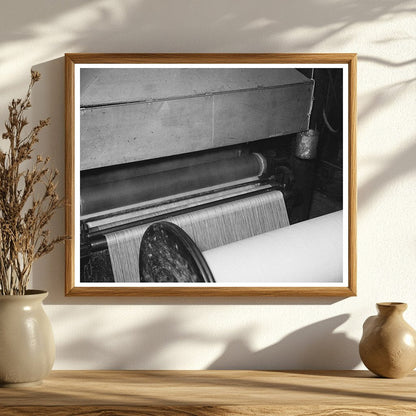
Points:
(310, 251)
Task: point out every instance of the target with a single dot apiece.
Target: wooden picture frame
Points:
(74, 285)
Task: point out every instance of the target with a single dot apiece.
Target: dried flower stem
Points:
(23, 217)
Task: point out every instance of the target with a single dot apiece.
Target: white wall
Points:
(198, 333)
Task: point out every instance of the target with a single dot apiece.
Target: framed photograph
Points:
(211, 174)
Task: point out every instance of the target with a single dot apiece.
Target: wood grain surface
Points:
(202, 393)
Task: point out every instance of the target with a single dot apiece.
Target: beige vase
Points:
(27, 347)
(388, 344)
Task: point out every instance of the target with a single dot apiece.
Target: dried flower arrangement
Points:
(28, 199)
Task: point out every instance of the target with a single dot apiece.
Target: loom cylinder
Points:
(104, 196)
(310, 251)
(93, 177)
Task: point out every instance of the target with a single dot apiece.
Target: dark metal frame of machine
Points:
(278, 176)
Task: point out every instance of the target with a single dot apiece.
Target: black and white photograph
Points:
(211, 175)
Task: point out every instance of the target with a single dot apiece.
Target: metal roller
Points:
(108, 195)
(93, 177)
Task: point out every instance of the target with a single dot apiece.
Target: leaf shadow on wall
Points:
(393, 169)
(105, 26)
(153, 344)
(403, 162)
(145, 346)
(313, 347)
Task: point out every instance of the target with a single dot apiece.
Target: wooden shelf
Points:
(203, 393)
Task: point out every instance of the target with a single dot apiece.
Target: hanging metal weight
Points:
(307, 144)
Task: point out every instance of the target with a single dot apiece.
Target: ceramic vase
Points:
(388, 345)
(27, 347)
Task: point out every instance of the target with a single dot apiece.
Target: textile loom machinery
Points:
(177, 163)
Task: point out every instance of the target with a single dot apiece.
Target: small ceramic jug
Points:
(388, 344)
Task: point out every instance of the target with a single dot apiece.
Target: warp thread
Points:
(165, 206)
(209, 228)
